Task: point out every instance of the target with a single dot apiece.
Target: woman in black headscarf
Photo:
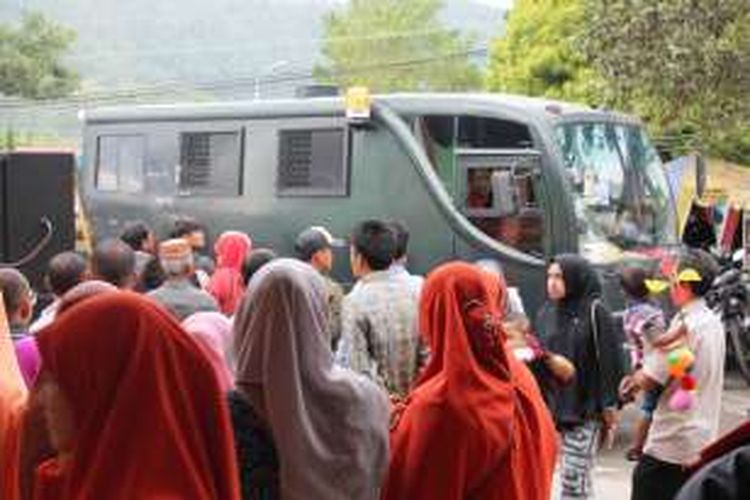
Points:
(575, 323)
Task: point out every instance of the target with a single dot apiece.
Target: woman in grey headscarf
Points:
(305, 428)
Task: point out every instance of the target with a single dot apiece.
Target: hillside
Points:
(176, 49)
(188, 41)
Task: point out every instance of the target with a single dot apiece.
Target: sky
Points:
(500, 4)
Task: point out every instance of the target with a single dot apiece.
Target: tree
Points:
(538, 55)
(681, 64)
(391, 45)
(31, 59)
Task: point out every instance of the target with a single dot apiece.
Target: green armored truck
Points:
(473, 176)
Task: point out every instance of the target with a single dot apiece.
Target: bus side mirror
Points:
(504, 199)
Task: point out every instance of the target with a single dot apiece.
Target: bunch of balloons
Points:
(680, 362)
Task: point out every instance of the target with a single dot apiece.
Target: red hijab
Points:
(739, 436)
(475, 425)
(227, 285)
(150, 418)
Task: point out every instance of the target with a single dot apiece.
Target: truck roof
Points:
(403, 103)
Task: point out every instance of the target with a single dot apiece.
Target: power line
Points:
(244, 82)
(294, 42)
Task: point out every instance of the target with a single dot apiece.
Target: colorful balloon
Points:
(681, 400)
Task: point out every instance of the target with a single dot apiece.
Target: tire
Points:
(740, 346)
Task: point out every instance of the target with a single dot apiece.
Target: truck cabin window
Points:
(503, 203)
(497, 184)
(120, 162)
(441, 135)
(210, 164)
(313, 162)
(620, 192)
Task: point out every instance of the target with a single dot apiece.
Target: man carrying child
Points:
(676, 435)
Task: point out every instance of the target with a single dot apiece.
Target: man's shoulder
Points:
(157, 292)
(703, 321)
(334, 287)
(202, 296)
(384, 288)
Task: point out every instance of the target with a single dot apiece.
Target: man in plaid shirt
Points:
(379, 336)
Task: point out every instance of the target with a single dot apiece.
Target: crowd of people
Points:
(157, 371)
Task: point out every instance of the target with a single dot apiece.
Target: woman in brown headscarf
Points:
(306, 429)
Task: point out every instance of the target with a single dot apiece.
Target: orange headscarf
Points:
(227, 285)
(150, 418)
(12, 403)
(475, 426)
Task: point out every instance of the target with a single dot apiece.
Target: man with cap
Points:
(315, 245)
(178, 294)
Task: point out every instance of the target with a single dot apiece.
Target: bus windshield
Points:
(620, 190)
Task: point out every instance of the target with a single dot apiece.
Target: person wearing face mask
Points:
(475, 424)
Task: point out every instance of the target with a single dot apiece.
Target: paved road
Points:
(612, 476)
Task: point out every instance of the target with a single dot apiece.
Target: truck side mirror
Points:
(504, 198)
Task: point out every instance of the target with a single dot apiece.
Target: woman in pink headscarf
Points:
(213, 331)
(227, 285)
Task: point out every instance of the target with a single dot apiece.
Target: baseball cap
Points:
(313, 239)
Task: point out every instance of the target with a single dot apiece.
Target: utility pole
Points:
(267, 71)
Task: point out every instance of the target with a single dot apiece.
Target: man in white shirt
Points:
(398, 267)
(676, 437)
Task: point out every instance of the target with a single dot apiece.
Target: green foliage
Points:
(30, 59)
(682, 65)
(8, 140)
(538, 56)
(391, 45)
(679, 64)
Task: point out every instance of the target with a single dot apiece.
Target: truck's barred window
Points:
(312, 163)
(210, 163)
(120, 163)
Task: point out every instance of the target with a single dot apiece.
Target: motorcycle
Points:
(728, 297)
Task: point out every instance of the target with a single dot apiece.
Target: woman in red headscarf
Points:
(227, 285)
(133, 407)
(475, 425)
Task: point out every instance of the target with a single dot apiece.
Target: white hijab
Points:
(329, 425)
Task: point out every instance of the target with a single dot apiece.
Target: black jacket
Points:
(566, 327)
(725, 478)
